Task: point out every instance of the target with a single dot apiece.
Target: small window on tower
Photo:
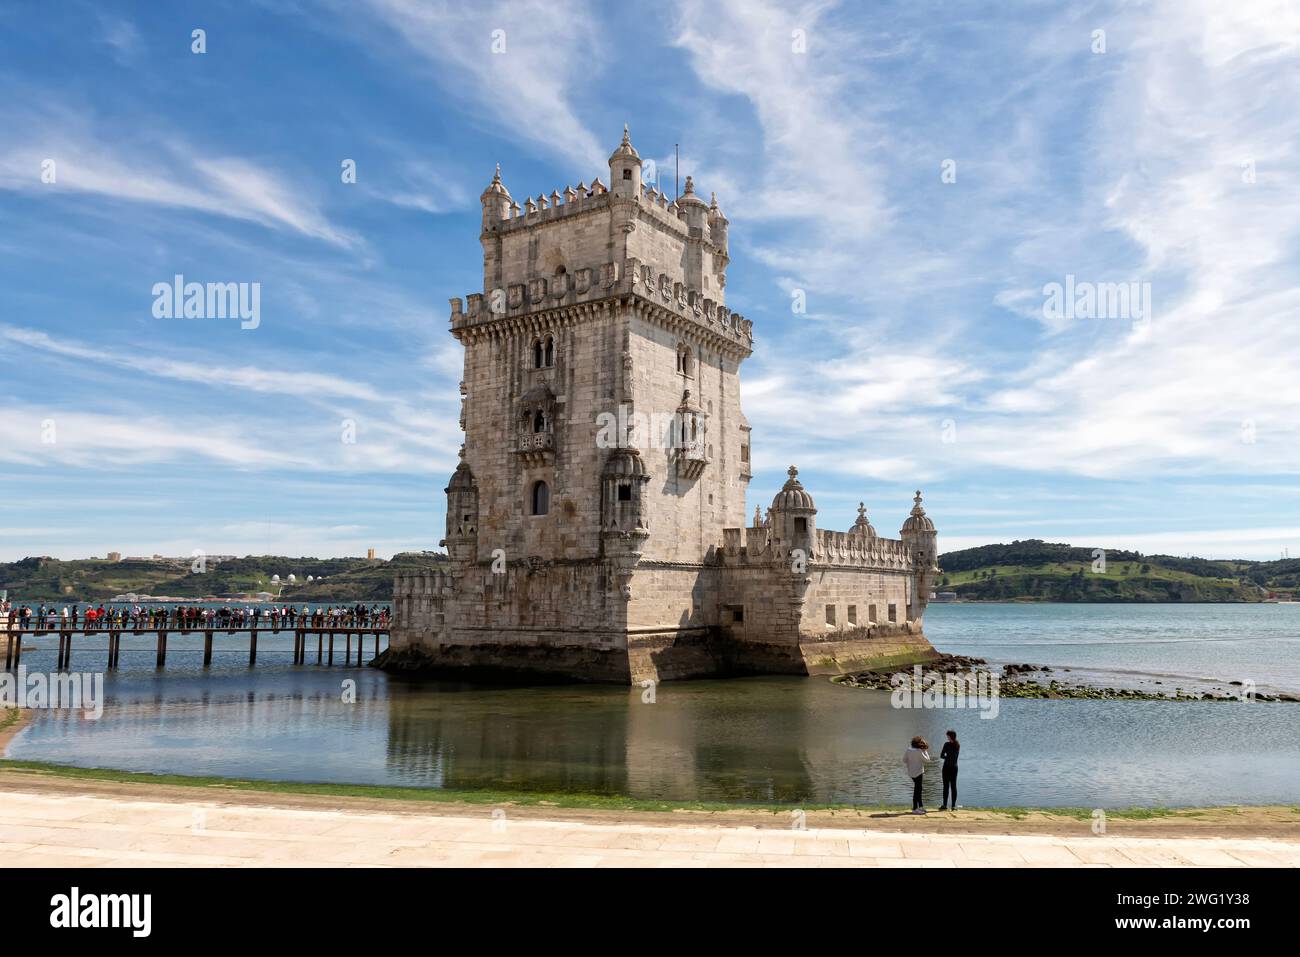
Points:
(627, 174)
(744, 454)
(893, 613)
(801, 524)
(538, 355)
(851, 613)
(549, 355)
(624, 492)
(541, 498)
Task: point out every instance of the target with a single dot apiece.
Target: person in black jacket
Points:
(949, 755)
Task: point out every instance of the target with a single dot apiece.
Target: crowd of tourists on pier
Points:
(184, 617)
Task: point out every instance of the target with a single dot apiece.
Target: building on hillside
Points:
(596, 523)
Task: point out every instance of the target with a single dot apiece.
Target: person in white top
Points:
(915, 759)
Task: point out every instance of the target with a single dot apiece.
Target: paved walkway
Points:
(42, 830)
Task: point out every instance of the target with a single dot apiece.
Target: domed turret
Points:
(793, 495)
(624, 529)
(918, 521)
(923, 542)
(793, 516)
(717, 224)
(462, 513)
(496, 201)
(626, 463)
(623, 482)
(625, 169)
(694, 210)
(862, 526)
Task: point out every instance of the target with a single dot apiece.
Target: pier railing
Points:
(65, 629)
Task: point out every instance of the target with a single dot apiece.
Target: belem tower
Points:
(596, 523)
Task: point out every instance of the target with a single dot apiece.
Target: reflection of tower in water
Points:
(548, 739)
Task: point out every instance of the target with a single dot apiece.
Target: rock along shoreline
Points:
(1014, 681)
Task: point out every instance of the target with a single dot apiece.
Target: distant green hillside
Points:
(344, 579)
(1035, 570)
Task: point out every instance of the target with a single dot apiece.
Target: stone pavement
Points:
(43, 830)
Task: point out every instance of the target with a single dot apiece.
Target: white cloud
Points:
(534, 88)
(310, 385)
(168, 172)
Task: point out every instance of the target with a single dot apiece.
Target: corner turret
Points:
(462, 514)
(794, 516)
(496, 201)
(922, 541)
(625, 170)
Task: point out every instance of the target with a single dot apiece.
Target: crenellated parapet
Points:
(431, 584)
(754, 546)
(560, 204)
(420, 598)
(848, 548)
(533, 305)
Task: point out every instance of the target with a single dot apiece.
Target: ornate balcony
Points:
(693, 458)
(537, 448)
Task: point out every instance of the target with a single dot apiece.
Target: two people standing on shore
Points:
(917, 756)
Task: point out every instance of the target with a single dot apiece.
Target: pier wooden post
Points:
(162, 649)
(252, 649)
(320, 644)
(9, 645)
(347, 659)
(114, 644)
(207, 648)
(376, 644)
(18, 649)
(331, 647)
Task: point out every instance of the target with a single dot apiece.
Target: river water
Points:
(788, 740)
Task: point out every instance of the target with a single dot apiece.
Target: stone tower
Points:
(602, 330)
(594, 521)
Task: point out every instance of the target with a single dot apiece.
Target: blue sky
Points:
(924, 356)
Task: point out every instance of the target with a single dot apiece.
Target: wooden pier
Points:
(324, 651)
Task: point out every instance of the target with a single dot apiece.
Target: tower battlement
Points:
(713, 321)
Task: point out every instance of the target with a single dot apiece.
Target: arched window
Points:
(538, 355)
(684, 359)
(549, 356)
(541, 498)
(539, 421)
